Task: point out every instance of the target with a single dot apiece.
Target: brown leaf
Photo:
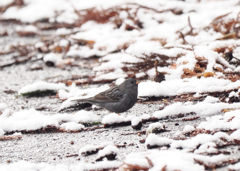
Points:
(227, 110)
(208, 74)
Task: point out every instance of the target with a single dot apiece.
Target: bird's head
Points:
(129, 85)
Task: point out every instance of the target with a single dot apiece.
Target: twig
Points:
(149, 162)
(155, 66)
(72, 155)
(219, 17)
(149, 8)
(16, 61)
(183, 37)
(190, 25)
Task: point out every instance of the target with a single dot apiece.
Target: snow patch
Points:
(41, 86)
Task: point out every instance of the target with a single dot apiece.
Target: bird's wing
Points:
(111, 95)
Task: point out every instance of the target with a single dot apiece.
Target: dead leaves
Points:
(148, 62)
(15, 136)
(198, 71)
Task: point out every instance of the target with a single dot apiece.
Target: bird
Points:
(116, 99)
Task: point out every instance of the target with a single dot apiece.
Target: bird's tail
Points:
(80, 100)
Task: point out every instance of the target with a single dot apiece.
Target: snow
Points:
(87, 148)
(52, 57)
(113, 118)
(119, 81)
(193, 142)
(153, 126)
(235, 135)
(84, 52)
(210, 99)
(6, 113)
(92, 147)
(64, 43)
(39, 44)
(221, 122)
(41, 86)
(235, 166)
(37, 10)
(173, 160)
(110, 149)
(29, 28)
(138, 75)
(211, 160)
(26, 120)
(200, 108)
(105, 35)
(118, 73)
(5, 2)
(153, 139)
(136, 120)
(33, 120)
(233, 94)
(188, 85)
(78, 117)
(3, 106)
(188, 128)
(146, 47)
(63, 31)
(85, 117)
(72, 126)
(209, 147)
(145, 116)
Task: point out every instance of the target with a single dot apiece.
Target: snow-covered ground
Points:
(55, 51)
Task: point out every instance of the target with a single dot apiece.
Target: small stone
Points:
(233, 99)
(49, 63)
(159, 77)
(228, 56)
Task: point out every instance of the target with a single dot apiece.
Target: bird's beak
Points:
(138, 82)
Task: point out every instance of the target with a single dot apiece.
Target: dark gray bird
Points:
(116, 99)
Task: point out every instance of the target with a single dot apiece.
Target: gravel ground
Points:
(54, 147)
